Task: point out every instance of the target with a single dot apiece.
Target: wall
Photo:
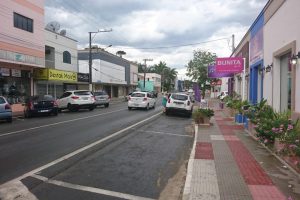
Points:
(133, 74)
(282, 32)
(14, 42)
(60, 44)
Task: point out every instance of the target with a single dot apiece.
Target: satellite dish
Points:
(53, 26)
(63, 32)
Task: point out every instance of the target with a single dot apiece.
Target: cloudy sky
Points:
(163, 30)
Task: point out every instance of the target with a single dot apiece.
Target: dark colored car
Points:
(40, 105)
(101, 98)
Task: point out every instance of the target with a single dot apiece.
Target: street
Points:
(109, 153)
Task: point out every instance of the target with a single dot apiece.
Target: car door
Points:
(150, 99)
(63, 100)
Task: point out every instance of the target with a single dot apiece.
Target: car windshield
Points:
(100, 93)
(82, 93)
(2, 100)
(137, 95)
(179, 97)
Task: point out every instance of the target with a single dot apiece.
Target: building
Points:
(61, 65)
(273, 42)
(133, 77)
(109, 72)
(154, 78)
(22, 47)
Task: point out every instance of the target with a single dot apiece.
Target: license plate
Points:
(42, 111)
(85, 98)
(136, 104)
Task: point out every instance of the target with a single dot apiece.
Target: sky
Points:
(162, 30)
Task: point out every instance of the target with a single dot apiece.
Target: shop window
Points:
(23, 22)
(67, 57)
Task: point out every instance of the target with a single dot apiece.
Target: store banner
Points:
(212, 73)
(231, 64)
(55, 75)
(16, 73)
(197, 92)
(82, 77)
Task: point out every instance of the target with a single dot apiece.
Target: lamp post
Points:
(145, 61)
(90, 56)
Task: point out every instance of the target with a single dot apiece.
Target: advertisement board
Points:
(231, 64)
(212, 73)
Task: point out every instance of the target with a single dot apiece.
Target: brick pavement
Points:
(223, 168)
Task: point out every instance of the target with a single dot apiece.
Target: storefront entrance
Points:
(285, 83)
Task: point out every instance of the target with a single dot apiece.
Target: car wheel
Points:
(147, 108)
(72, 108)
(106, 105)
(154, 106)
(55, 113)
(129, 108)
(9, 120)
(91, 108)
(59, 110)
(167, 112)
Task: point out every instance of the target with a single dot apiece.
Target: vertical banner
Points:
(197, 92)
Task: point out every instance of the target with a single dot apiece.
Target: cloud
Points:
(158, 23)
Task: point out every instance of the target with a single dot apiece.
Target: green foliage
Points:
(201, 113)
(197, 68)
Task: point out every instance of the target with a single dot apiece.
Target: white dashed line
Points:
(89, 189)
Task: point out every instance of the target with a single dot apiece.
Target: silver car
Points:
(101, 98)
(5, 110)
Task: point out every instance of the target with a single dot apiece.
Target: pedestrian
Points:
(164, 102)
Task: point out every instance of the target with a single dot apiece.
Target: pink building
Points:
(22, 46)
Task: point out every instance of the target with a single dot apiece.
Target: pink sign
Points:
(232, 65)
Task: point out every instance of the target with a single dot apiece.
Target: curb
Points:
(188, 180)
(276, 156)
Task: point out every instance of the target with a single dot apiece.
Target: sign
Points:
(197, 92)
(5, 72)
(55, 75)
(212, 73)
(219, 82)
(232, 65)
(15, 72)
(256, 47)
(81, 77)
(20, 57)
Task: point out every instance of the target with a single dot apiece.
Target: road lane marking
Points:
(164, 133)
(65, 157)
(62, 122)
(89, 189)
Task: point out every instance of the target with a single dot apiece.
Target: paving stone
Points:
(263, 192)
(217, 137)
(204, 181)
(204, 150)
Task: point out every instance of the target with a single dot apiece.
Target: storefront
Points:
(15, 84)
(83, 81)
(54, 82)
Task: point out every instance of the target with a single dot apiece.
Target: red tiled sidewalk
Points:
(259, 183)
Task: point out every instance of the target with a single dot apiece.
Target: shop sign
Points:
(231, 64)
(15, 72)
(219, 82)
(81, 77)
(212, 73)
(55, 75)
(4, 72)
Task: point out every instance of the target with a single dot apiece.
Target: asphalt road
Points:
(108, 153)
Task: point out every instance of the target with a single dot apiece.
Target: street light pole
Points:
(145, 60)
(90, 56)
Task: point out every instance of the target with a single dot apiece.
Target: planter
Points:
(239, 118)
(278, 146)
(203, 121)
(229, 112)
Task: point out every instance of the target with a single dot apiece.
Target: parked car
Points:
(144, 100)
(128, 96)
(179, 103)
(223, 95)
(5, 110)
(75, 100)
(101, 98)
(38, 105)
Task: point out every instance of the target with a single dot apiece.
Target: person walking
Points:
(164, 102)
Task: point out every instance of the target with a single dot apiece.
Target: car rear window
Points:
(137, 95)
(100, 93)
(82, 93)
(179, 97)
(2, 100)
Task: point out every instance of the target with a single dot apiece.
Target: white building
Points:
(156, 78)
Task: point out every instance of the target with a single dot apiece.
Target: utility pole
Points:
(90, 56)
(145, 61)
(233, 47)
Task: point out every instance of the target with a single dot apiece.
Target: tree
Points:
(197, 68)
(121, 53)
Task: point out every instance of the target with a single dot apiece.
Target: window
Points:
(23, 23)
(67, 57)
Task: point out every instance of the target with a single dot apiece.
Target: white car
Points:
(75, 100)
(5, 110)
(179, 103)
(144, 100)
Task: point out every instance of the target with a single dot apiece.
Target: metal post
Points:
(145, 73)
(90, 62)
(243, 80)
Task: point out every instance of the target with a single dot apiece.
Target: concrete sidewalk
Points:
(228, 164)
